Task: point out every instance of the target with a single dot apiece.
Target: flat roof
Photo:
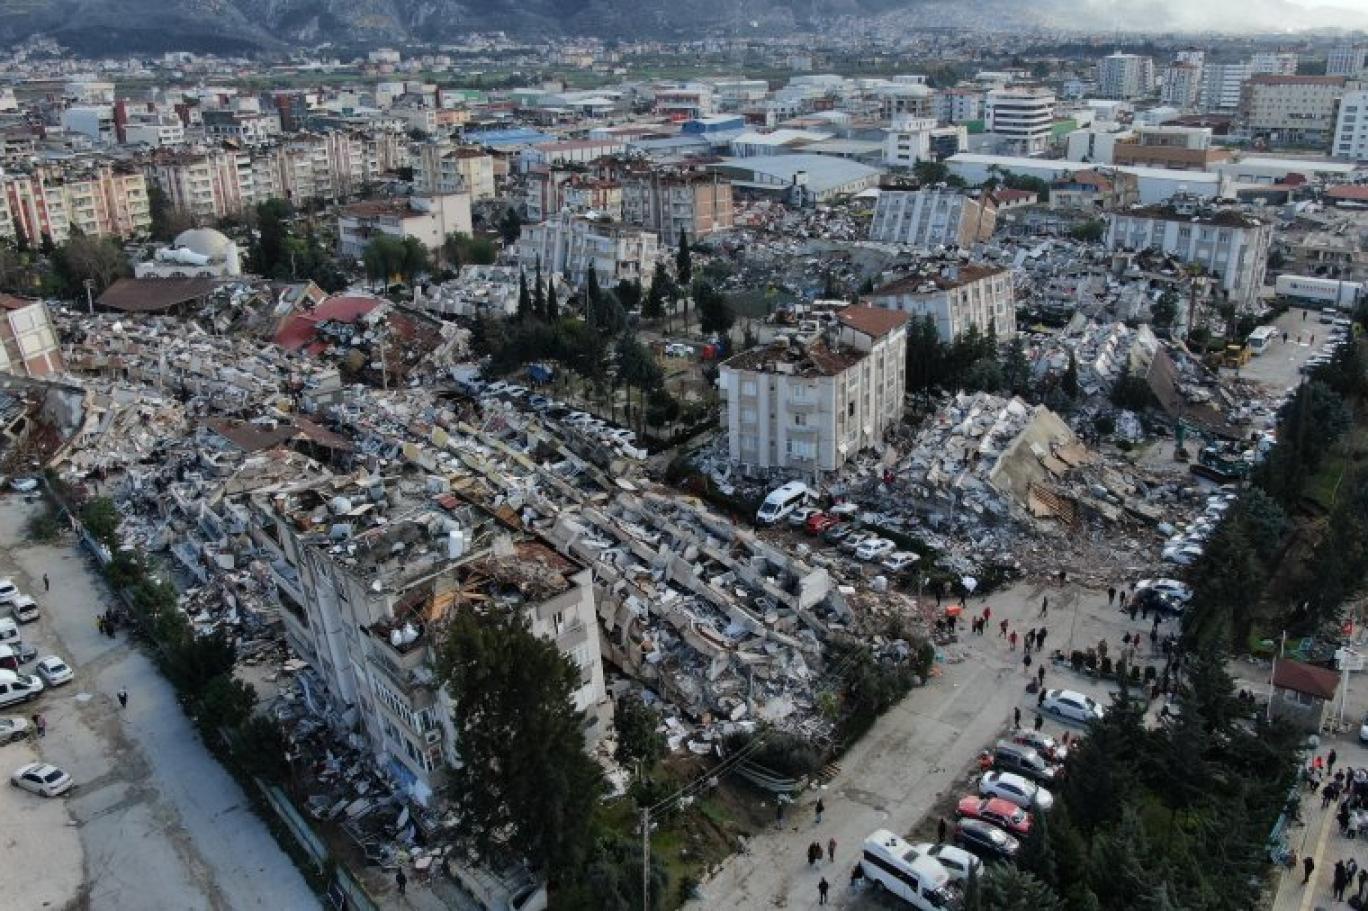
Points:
(824, 172)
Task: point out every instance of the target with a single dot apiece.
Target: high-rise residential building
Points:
(443, 167)
(1125, 76)
(674, 202)
(906, 99)
(1351, 127)
(806, 403)
(926, 219)
(908, 141)
(956, 296)
(1021, 119)
(1182, 85)
(1291, 110)
(958, 105)
(1347, 60)
(100, 200)
(572, 245)
(1230, 245)
(427, 219)
(1221, 84)
(1273, 63)
(1191, 55)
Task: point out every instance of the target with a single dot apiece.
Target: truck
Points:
(1319, 292)
(1221, 462)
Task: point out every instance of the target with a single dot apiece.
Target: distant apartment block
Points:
(28, 340)
(958, 105)
(683, 102)
(429, 219)
(572, 244)
(1351, 127)
(443, 167)
(672, 203)
(1173, 147)
(102, 200)
(1125, 76)
(248, 127)
(956, 296)
(926, 219)
(809, 402)
(1291, 110)
(1229, 245)
(1021, 119)
(1182, 85)
(1221, 84)
(1273, 63)
(1347, 60)
(906, 99)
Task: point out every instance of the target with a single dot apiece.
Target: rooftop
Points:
(875, 322)
(938, 279)
(1225, 218)
(816, 359)
(1319, 682)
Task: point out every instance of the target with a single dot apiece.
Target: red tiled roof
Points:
(875, 322)
(1356, 192)
(298, 330)
(10, 302)
(1305, 678)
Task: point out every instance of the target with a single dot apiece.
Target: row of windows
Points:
(421, 721)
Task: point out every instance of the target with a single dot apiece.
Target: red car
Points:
(819, 522)
(1001, 813)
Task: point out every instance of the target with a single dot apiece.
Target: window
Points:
(800, 420)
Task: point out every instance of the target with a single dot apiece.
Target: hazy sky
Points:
(1225, 15)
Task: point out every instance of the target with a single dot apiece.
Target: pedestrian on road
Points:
(1026, 660)
(940, 823)
(47, 586)
(1363, 881)
(831, 850)
(856, 875)
(1040, 702)
(1303, 316)
(1330, 761)
(1016, 723)
(1011, 641)
(1040, 637)
(1123, 599)
(1134, 609)
(1063, 576)
(400, 880)
(1309, 866)
(40, 724)
(1040, 677)
(1111, 596)
(1044, 606)
(814, 853)
(1338, 880)
(821, 808)
(1125, 638)
(123, 698)
(1002, 628)
(1040, 719)
(822, 888)
(987, 614)
(779, 803)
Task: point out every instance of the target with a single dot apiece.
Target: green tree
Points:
(638, 740)
(101, 518)
(552, 305)
(1007, 888)
(611, 879)
(510, 226)
(926, 355)
(269, 253)
(1165, 310)
(525, 785)
(1037, 852)
(1092, 231)
(99, 260)
(415, 259)
(684, 262)
(930, 172)
(1016, 369)
(714, 314)
(538, 295)
(628, 294)
(1131, 392)
(384, 257)
(524, 297)
(167, 221)
(1224, 579)
(1069, 382)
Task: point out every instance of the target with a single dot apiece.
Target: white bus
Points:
(781, 502)
(916, 878)
(1261, 338)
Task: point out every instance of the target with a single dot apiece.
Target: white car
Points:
(1169, 588)
(855, 539)
(899, 561)
(13, 728)
(498, 387)
(24, 485)
(1363, 730)
(8, 591)
(843, 510)
(1026, 794)
(1183, 554)
(53, 670)
(798, 518)
(959, 863)
(41, 778)
(874, 549)
(1072, 706)
(24, 609)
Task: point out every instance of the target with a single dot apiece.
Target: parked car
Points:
(1171, 588)
(1012, 787)
(8, 591)
(1002, 813)
(987, 841)
(24, 609)
(1024, 761)
(899, 561)
(24, 485)
(837, 533)
(844, 510)
(855, 539)
(13, 728)
(1363, 730)
(1042, 743)
(498, 387)
(1183, 554)
(41, 778)
(959, 863)
(798, 518)
(820, 523)
(1072, 706)
(9, 631)
(53, 670)
(874, 549)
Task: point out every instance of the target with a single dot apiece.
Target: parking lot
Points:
(1279, 368)
(153, 820)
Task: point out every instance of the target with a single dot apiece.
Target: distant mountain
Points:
(101, 26)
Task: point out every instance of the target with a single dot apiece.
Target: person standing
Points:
(823, 888)
(1040, 637)
(1045, 605)
(940, 823)
(1011, 641)
(1309, 866)
(821, 808)
(123, 698)
(814, 853)
(831, 850)
(39, 724)
(1330, 761)
(1337, 881)
(1040, 677)
(1111, 595)
(400, 880)
(1016, 723)
(47, 586)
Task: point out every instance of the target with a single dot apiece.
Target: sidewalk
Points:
(1320, 839)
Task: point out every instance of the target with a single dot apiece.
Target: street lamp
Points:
(89, 290)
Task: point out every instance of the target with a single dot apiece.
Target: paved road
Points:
(918, 753)
(1278, 367)
(156, 823)
(1320, 839)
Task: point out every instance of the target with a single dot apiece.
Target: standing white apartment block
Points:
(1291, 110)
(908, 141)
(1125, 76)
(1182, 85)
(572, 244)
(1020, 119)
(959, 105)
(925, 219)
(429, 219)
(1229, 245)
(808, 404)
(1351, 127)
(956, 297)
(1221, 85)
(1347, 60)
(1273, 63)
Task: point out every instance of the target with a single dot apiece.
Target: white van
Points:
(781, 502)
(912, 875)
(9, 630)
(24, 609)
(18, 687)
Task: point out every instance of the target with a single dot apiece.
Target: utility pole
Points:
(646, 859)
(1272, 672)
(90, 300)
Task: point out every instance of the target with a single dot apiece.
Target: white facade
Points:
(1182, 85)
(807, 408)
(1347, 60)
(959, 105)
(429, 219)
(1020, 119)
(1351, 127)
(570, 245)
(1221, 85)
(93, 120)
(956, 298)
(441, 167)
(155, 134)
(1291, 110)
(1096, 144)
(929, 218)
(909, 141)
(1230, 246)
(1125, 76)
(1273, 63)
